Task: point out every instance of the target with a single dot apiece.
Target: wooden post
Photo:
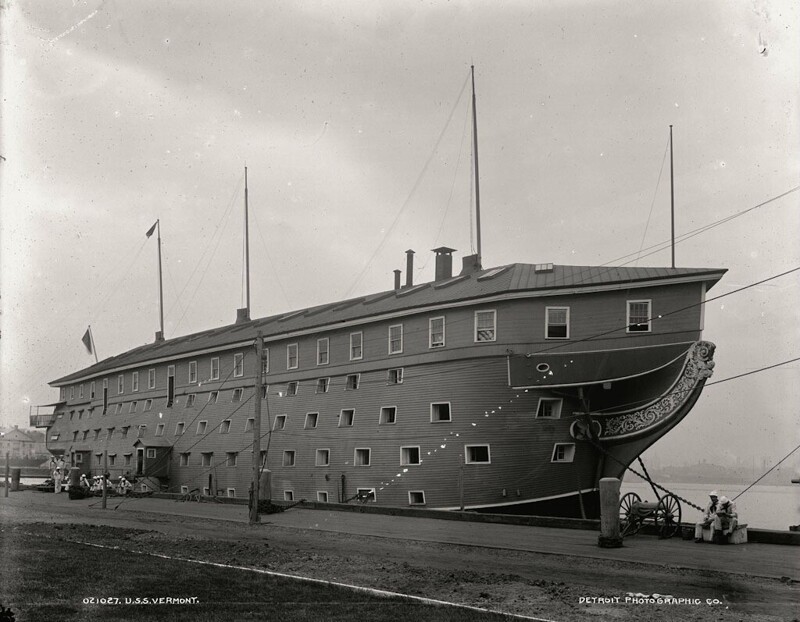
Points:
(461, 482)
(5, 494)
(105, 470)
(256, 425)
(609, 514)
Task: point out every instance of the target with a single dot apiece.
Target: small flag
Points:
(87, 340)
(151, 229)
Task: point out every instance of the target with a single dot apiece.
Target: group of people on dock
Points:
(720, 514)
(60, 476)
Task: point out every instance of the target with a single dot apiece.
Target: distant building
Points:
(19, 444)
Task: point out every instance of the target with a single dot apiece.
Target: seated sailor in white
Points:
(726, 518)
(709, 514)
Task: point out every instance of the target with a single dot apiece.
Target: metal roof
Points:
(509, 279)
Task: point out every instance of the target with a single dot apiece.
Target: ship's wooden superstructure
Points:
(513, 388)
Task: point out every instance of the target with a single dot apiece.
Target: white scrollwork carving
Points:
(699, 366)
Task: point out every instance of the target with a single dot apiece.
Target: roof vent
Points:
(543, 267)
(242, 315)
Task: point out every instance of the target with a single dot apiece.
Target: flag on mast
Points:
(87, 340)
(151, 229)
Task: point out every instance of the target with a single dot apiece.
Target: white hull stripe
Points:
(522, 502)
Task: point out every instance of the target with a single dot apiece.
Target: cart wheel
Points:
(668, 516)
(628, 520)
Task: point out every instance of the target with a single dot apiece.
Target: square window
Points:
(322, 496)
(179, 428)
(388, 415)
(396, 339)
(366, 495)
(190, 400)
(563, 452)
(639, 315)
(436, 332)
(288, 495)
(238, 365)
(351, 384)
(440, 411)
(548, 408)
(416, 497)
(237, 395)
(409, 455)
(185, 459)
(231, 492)
(184, 489)
(311, 420)
(395, 376)
(292, 356)
(356, 346)
(477, 454)
(213, 396)
(192, 372)
(225, 427)
(215, 368)
(362, 456)
(346, 417)
(230, 458)
(485, 329)
(160, 429)
(288, 457)
(151, 453)
(322, 385)
(206, 458)
(556, 323)
(280, 422)
(323, 457)
(322, 351)
(151, 379)
(291, 389)
(201, 427)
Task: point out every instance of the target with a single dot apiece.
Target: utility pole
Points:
(257, 430)
(105, 470)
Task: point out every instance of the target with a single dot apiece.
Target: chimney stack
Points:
(242, 315)
(471, 263)
(159, 336)
(397, 279)
(444, 262)
(409, 268)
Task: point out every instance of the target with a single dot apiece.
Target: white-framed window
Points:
(291, 389)
(265, 362)
(323, 384)
(192, 372)
(323, 457)
(322, 496)
(121, 384)
(563, 452)
(112, 459)
(213, 396)
(556, 324)
(225, 427)
(160, 429)
(366, 494)
(351, 382)
(416, 497)
(92, 390)
(288, 457)
(201, 427)
(436, 332)
(206, 458)
(440, 412)
(388, 415)
(148, 405)
(190, 400)
(409, 455)
(346, 417)
(151, 452)
(231, 458)
(362, 456)
(236, 396)
(639, 314)
(141, 430)
(238, 365)
(151, 378)
(179, 428)
(215, 368)
(184, 488)
(323, 355)
(280, 422)
(396, 339)
(477, 454)
(311, 420)
(62, 394)
(288, 495)
(135, 381)
(231, 491)
(485, 326)
(292, 357)
(127, 459)
(133, 406)
(549, 408)
(356, 346)
(206, 491)
(395, 376)
(249, 424)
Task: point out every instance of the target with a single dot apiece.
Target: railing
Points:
(42, 421)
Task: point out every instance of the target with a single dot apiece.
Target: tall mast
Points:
(160, 283)
(477, 176)
(246, 245)
(672, 196)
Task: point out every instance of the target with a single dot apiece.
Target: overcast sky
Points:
(352, 118)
